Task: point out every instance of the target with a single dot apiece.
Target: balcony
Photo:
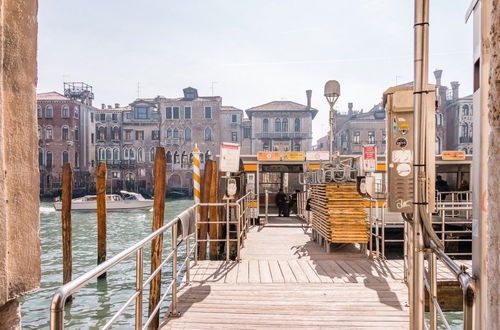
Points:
(465, 139)
(172, 141)
(283, 135)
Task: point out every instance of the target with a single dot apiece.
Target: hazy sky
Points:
(255, 51)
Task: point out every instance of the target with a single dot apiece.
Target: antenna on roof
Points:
(138, 89)
(213, 83)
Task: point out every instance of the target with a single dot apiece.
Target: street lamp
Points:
(332, 93)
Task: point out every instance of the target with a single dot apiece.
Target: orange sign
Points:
(293, 155)
(268, 156)
(250, 167)
(453, 155)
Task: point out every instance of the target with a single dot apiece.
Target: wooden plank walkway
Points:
(287, 281)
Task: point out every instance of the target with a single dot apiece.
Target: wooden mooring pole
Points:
(157, 243)
(67, 192)
(205, 193)
(101, 214)
(213, 213)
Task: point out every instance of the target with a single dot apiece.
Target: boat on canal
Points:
(114, 202)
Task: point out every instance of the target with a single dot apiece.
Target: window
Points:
(169, 157)
(439, 119)
(77, 134)
(355, 137)
(371, 137)
(76, 112)
(176, 133)
(116, 154)
(109, 154)
(438, 145)
(169, 133)
(208, 112)
(101, 133)
(296, 147)
(234, 136)
(234, 118)
(187, 112)
(65, 133)
(65, 158)
(77, 160)
(384, 137)
(168, 112)
(155, 135)
(92, 138)
(247, 132)
(91, 117)
(175, 112)
(176, 157)
(39, 111)
(40, 157)
(139, 135)
(284, 125)
(265, 125)
(128, 135)
(49, 158)
(297, 125)
(465, 110)
(65, 111)
(125, 153)
(277, 125)
(39, 132)
(140, 155)
(141, 113)
(152, 154)
(114, 117)
(131, 154)
(102, 117)
(49, 111)
(187, 134)
(265, 146)
(48, 133)
(116, 133)
(115, 175)
(208, 134)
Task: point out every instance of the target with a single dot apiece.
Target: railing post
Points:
(188, 259)
(138, 287)
(432, 290)
(228, 213)
(238, 240)
(371, 228)
(173, 309)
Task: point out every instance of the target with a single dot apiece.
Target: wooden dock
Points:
(285, 280)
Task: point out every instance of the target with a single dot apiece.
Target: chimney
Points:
(437, 75)
(109, 107)
(349, 106)
(103, 106)
(454, 89)
(117, 105)
(308, 94)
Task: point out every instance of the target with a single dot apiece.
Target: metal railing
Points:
(242, 217)
(376, 218)
(283, 135)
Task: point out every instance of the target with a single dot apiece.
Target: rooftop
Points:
(51, 96)
(281, 106)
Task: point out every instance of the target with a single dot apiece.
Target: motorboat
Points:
(126, 201)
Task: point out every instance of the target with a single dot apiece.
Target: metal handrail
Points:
(70, 288)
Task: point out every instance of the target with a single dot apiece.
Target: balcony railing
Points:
(283, 135)
(465, 139)
(172, 141)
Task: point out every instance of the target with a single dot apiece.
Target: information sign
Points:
(229, 157)
(370, 158)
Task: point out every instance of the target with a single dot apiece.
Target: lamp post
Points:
(332, 93)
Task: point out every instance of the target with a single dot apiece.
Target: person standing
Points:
(280, 202)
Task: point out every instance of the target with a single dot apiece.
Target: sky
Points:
(249, 52)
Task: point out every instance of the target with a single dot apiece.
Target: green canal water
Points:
(92, 304)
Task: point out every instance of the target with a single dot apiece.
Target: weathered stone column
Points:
(493, 263)
(19, 176)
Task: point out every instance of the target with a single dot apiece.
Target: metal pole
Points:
(331, 134)
(138, 287)
(228, 213)
(238, 241)
(432, 290)
(188, 259)
(267, 205)
(419, 175)
(173, 310)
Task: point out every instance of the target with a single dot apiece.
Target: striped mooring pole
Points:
(196, 176)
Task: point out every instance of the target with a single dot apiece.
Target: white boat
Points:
(129, 201)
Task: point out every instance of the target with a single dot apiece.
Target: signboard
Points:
(317, 155)
(370, 158)
(453, 155)
(293, 155)
(268, 156)
(229, 157)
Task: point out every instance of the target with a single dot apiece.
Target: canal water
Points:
(97, 300)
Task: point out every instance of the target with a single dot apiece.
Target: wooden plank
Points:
(265, 272)
(231, 271)
(297, 271)
(243, 272)
(311, 274)
(253, 271)
(276, 274)
(288, 275)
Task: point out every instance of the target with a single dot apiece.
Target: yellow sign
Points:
(250, 167)
(293, 155)
(453, 155)
(268, 156)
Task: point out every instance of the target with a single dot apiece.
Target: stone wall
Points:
(493, 262)
(19, 203)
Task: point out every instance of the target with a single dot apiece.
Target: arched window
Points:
(169, 157)
(49, 111)
(202, 157)
(140, 155)
(187, 134)
(176, 133)
(76, 112)
(48, 159)
(265, 125)
(116, 154)
(116, 133)
(101, 154)
(284, 125)
(191, 158)
(39, 111)
(65, 111)
(465, 110)
(152, 154)
(277, 125)
(438, 145)
(184, 159)
(40, 157)
(176, 157)
(39, 132)
(65, 133)
(65, 158)
(109, 154)
(48, 133)
(101, 133)
(125, 153)
(297, 125)
(208, 134)
(131, 154)
(169, 133)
